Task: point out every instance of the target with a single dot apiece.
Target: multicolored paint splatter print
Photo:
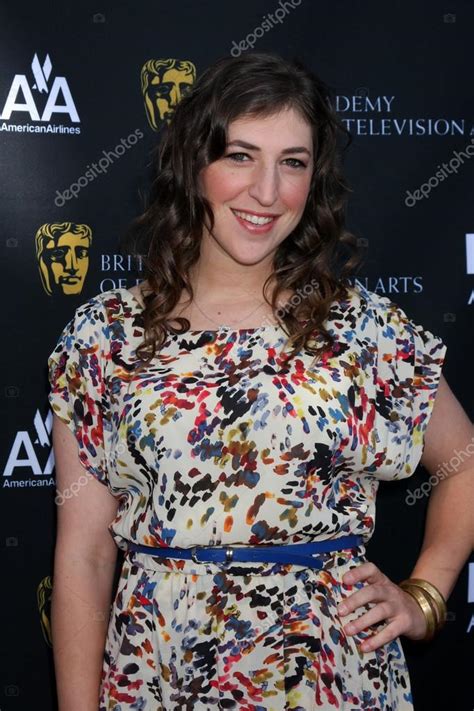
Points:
(219, 442)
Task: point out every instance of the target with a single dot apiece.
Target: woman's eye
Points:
(238, 158)
(233, 156)
(296, 163)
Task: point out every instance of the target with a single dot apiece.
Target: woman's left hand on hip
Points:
(393, 605)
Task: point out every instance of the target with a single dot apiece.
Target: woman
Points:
(241, 402)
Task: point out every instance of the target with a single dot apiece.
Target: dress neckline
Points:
(222, 329)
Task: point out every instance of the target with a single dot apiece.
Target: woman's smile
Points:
(253, 222)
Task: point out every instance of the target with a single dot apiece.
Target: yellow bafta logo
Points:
(164, 83)
(43, 596)
(62, 251)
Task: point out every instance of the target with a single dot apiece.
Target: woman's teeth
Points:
(253, 218)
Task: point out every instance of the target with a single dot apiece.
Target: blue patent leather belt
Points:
(295, 553)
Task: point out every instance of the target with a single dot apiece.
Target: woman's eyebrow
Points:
(251, 147)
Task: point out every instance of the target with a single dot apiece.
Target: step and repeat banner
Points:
(84, 94)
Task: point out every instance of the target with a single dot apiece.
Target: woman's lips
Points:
(255, 229)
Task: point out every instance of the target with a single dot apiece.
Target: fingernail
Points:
(343, 609)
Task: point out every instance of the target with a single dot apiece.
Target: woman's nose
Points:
(264, 185)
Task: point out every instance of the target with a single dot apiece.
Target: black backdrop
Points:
(402, 74)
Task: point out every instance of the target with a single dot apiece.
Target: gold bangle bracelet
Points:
(437, 602)
(427, 608)
(438, 598)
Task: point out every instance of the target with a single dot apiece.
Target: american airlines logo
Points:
(25, 455)
(53, 96)
(41, 73)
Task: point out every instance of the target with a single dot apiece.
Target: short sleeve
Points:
(408, 363)
(78, 394)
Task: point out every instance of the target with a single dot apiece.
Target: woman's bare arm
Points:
(449, 457)
(449, 533)
(84, 567)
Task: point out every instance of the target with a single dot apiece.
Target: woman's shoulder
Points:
(375, 304)
(387, 321)
(112, 302)
(102, 314)
(107, 322)
(370, 313)
(355, 302)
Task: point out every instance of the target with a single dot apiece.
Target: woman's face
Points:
(264, 176)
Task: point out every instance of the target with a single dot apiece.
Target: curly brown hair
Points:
(167, 235)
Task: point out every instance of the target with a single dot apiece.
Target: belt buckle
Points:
(229, 553)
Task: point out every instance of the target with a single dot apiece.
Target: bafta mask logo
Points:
(43, 596)
(62, 251)
(164, 83)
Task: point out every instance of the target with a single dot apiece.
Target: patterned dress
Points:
(219, 441)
